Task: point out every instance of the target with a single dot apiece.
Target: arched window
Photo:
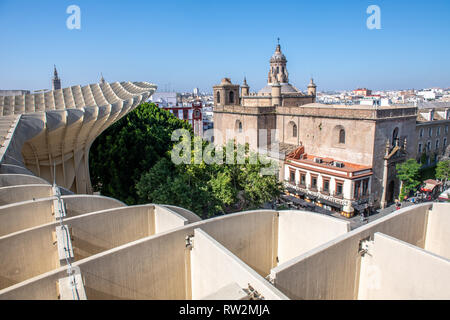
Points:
(395, 137)
(231, 97)
(292, 130)
(238, 126)
(218, 97)
(342, 136)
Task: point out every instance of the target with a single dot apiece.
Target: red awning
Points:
(430, 184)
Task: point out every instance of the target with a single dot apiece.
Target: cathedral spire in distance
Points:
(102, 80)
(56, 81)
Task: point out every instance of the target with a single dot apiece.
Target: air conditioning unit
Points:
(338, 164)
(318, 160)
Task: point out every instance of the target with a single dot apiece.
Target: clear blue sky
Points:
(196, 43)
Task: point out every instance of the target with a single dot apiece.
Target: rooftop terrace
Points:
(55, 244)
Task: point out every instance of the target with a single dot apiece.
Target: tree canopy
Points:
(408, 173)
(131, 161)
(443, 170)
(130, 147)
(210, 189)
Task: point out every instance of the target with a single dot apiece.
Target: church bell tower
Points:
(278, 71)
(56, 81)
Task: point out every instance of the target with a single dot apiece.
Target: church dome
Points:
(286, 88)
(278, 56)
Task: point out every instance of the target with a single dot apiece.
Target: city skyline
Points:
(182, 45)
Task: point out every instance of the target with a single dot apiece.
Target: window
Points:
(292, 128)
(395, 137)
(185, 114)
(292, 176)
(314, 182)
(428, 145)
(438, 132)
(231, 97)
(339, 188)
(446, 129)
(420, 148)
(238, 126)
(421, 133)
(356, 191)
(218, 97)
(302, 178)
(326, 185)
(342, 136)
(430, 132)
(445, 143)
(437, 144)
(365, 187)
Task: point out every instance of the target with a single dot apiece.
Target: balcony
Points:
(337, 195)
(362, 198)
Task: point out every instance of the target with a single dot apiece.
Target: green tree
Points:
(131, 146)
(131, 161)
(210, 189)
(443, 170)
(408, 173)
(423, 158)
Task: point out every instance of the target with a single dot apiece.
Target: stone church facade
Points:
(342, 157)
